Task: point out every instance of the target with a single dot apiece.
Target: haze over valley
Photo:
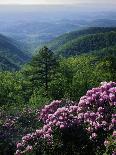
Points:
(31, 26)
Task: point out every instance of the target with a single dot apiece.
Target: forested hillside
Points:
(11, 56)
(62, 101)
(63, 39)
(83, 41)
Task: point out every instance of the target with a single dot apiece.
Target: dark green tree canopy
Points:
(42, 66)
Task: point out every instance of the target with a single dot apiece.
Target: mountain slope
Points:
(6, 64)
(87, 44)
(11, 57)
(61, 40)
(83, 41)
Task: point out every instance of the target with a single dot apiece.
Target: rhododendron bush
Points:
(91, 122)
(14, 125)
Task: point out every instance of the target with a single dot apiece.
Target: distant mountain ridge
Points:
(33, 26)
(74, 43)
(83, 41)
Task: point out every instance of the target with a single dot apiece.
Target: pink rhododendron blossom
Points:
(106, 142)
(95, 111)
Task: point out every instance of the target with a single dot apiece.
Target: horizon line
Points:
(44, 3)
(77, 3)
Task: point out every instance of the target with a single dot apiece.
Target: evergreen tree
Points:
(43, 66)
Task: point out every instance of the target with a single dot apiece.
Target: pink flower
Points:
(39, 132)
(104, 123)
(112, 96)
(114, 134)
(94, 135)
(58, 123)
(62, 126)
(100, 109)
(47, 136)
(114, 153)
(19, 145)
(18, 152)
(113, 121)
(61, 118)
(29, 148)
(54, 121)
(49, 130)
(86, 115)
(91, 112)
(106, 142)
(27, 137)
(110, 127)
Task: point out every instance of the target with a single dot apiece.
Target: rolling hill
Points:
(11, 57)
(33, 26)
(83, 41)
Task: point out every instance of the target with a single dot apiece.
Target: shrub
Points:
(75, 128)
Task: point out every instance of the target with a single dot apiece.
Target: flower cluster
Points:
(95, 110)
(14, 126)
(49, 109)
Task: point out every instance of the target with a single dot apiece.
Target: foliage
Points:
(88, 43)
(15, 121)
(64, 78)
(42, 68)
(82, 126)
(11, 57)
(83, 41)
(66, 127)
(14, 89)
(55, 44)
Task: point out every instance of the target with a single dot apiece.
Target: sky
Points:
(57, 1)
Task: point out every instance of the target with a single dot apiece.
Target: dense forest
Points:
(11, 57)
(83, 41)
(63, 39)
(54, 99)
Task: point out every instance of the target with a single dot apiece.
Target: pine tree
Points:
(43, 67)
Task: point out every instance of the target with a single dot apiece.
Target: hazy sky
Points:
(56, 1)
